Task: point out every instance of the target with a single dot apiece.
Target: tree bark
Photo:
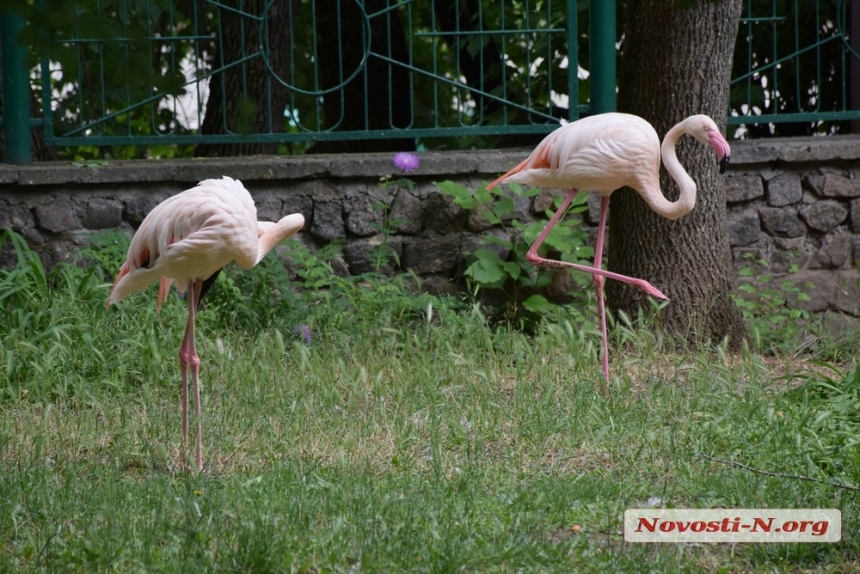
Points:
(481, 68)
(378, 97)
(675, 63)
(245, 98)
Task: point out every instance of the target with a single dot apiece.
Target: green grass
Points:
(406, 436)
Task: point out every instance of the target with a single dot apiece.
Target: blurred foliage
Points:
(800, 52)
(136, 57)
(121, 60)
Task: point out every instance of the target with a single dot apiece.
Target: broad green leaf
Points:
(538, 304)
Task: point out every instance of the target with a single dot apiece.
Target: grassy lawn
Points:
(407, 435)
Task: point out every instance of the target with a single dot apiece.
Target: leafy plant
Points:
(502, 267)
(383, 253)
(774, 324)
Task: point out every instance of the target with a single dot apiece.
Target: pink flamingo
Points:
(603, 153)
(187, 239)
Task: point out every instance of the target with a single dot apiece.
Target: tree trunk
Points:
(482, 67)
(245, 98)
(379, 96)
(675, 63)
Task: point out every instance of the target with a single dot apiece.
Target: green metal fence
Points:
(301, 72)
(276, 71)
(796, 68)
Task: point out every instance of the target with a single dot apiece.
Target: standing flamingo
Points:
(188, 238)
(603, 153)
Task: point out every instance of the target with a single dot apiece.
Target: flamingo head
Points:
(706, 131)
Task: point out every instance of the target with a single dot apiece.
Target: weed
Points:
(774, 325)
(503, 268)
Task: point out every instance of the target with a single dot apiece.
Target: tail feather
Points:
(123, 271)
(517, 169)
(163, 291)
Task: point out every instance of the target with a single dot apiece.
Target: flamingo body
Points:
(187, 239)
(603, 153)
(599, 153)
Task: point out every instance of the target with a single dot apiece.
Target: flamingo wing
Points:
(190, 236)
(598, 153)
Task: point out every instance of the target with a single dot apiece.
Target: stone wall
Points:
(789, 201)
(796, 202)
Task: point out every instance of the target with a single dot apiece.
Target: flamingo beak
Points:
(721, 146)
(724, 163)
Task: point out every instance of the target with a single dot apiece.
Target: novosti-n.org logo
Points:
(733, 525)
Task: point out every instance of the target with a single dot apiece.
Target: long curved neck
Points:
(270, 234)
(687, 198)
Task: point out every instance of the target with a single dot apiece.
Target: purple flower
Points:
(405, 161)
(304, 331)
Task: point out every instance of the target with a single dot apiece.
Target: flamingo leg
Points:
(188, 358)
(598, 273)
(535, 259)
(598, 285)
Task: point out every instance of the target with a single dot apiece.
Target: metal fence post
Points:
(16, 91)
(601, 25)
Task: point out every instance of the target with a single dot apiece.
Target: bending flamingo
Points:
(187, 239)
(603, 153)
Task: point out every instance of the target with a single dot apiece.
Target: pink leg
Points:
(535, 259)
(188, 357)
(598, 273)
(598, 285)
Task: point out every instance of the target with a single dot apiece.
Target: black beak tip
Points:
(724, 163)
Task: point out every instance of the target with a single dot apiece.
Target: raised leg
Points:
(598, 285)
(535, 259)
(598, 273)
(188, 358)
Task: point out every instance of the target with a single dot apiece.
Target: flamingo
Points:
(603, 153)
(187, 239)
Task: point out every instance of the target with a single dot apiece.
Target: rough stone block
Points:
(431, 254)
(782, 222)
(56, 216)
(593, 213)
(834, 253)
(544, 200)
(855, 241)
(781, 261)
(298, 203)
(521, 209)
(406, 213)
(847, 292)
(138, 207)
(102, 214)
(442, 215)
(268, 207)
(475, 220)
(362, 255)
(327, 223)
(818, 285)
(814, 183)
(832, 185)
(15, 217)
(743, 188)
(854, 209)
(824, 215)
(364, 217)
(790, 252)
(784, 189)
(744, 227)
